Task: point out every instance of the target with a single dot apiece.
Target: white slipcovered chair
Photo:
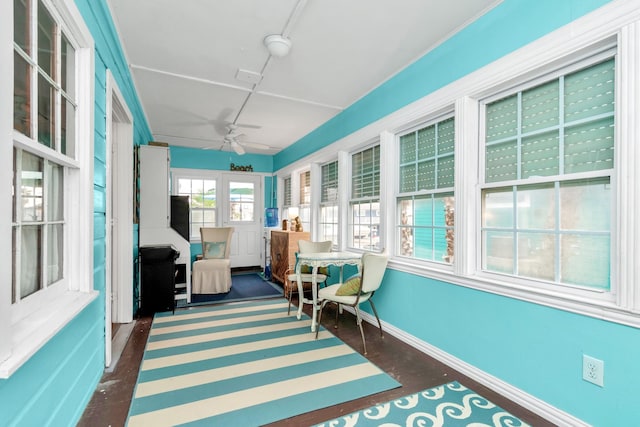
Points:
(356, 290)
(212, 274)
(291, 279)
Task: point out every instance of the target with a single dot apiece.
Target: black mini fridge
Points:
(158, 278)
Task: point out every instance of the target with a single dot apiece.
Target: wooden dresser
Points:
(284, 245)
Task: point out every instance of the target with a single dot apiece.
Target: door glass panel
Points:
(241, 201)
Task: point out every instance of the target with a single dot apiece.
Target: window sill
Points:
(33, 332)
(592, 307)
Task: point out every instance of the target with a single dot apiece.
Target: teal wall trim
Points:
(509, 26)
(194, 158)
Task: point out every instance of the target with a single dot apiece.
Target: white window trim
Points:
(25, 327)
(617, 20)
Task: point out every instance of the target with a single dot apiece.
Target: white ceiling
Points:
(184, 57)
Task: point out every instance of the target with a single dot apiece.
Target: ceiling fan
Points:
(232, 137)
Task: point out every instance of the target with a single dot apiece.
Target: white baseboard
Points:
(512, 393)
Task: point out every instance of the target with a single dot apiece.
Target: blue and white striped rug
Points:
(244, 364)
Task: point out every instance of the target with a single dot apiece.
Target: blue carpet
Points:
(243, 287)
(448, 405)
(244, 364)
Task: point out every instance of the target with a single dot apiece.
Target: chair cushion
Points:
(215, 249)
(307, 269)
(351, 286)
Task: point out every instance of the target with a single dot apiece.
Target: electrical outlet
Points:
(593, 370)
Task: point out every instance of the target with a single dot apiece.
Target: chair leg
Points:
(359, 322)
(289, 294)
(373, 307)
(337, 312)
(320, 316)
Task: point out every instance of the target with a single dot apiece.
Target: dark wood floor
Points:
(412, 368)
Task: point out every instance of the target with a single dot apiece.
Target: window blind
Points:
(305, 188)
(427, 157)
(286, 197)
(365, 172)
(329, 183)
(560, 127)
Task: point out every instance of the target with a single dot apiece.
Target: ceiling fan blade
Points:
(248, 126)
(239, 149)
(256, 145)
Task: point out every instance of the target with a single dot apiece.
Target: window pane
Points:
(329, 182)
(46, 119)
(305, 188)
(208, 193)
(536, 207)
(31, 187)
(21, 95)
(501, 163)
(364, 228)
(408, 178)
(584, 260)
(502, 119)
(365, 167)
(67, 128)
(536, 255)
(209, 216)
(446, 172)
(589, 147)
(287, 192)
(427, 143)
(497, 208)
(55, 196)
(423, 213)
(540, 107)
(408, 148)
(423, 243)
(68, 68)
(540, 154)
(30, 259)
(184, 187)
(46, 41)
(441, 242)
(55, 253)
(498, 251)
(241, 201)
(427, 175)
(21, 33)
(590, 91)
(586, 205)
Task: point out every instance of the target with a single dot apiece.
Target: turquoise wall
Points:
(535, 348)
(55, 385)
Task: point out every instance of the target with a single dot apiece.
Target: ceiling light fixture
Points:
(277, 45)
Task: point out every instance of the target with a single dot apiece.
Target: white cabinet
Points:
(155, 228)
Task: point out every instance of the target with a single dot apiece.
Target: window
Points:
(364, 205)
(45, 113)
(305, 200)
(548, 164)
(328, 224)
(202, 203)
(426, 202)
(50, 271)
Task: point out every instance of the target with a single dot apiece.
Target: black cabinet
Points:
(158, 278)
